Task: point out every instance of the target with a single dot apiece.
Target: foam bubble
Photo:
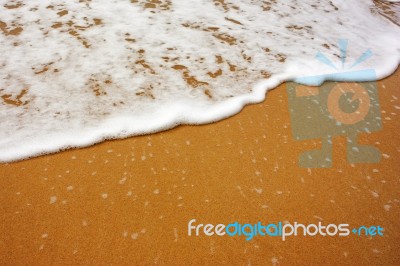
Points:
(77, 72)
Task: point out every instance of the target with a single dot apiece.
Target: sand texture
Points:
(129, 201)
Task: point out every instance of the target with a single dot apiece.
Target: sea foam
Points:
(74, 73)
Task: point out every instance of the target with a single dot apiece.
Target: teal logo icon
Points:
(336, 108)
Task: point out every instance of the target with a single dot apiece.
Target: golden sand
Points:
(129, 201)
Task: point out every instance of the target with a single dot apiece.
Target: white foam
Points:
(112, 69)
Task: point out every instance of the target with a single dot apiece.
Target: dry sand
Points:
(129, 201)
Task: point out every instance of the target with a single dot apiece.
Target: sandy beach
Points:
(129, 201)
(75, 73)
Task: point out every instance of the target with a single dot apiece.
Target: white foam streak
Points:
(79, 72)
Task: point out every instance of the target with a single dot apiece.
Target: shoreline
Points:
(237, 105)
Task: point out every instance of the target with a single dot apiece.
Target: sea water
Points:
(74, 73)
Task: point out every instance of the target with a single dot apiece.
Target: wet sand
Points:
(129, 201)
